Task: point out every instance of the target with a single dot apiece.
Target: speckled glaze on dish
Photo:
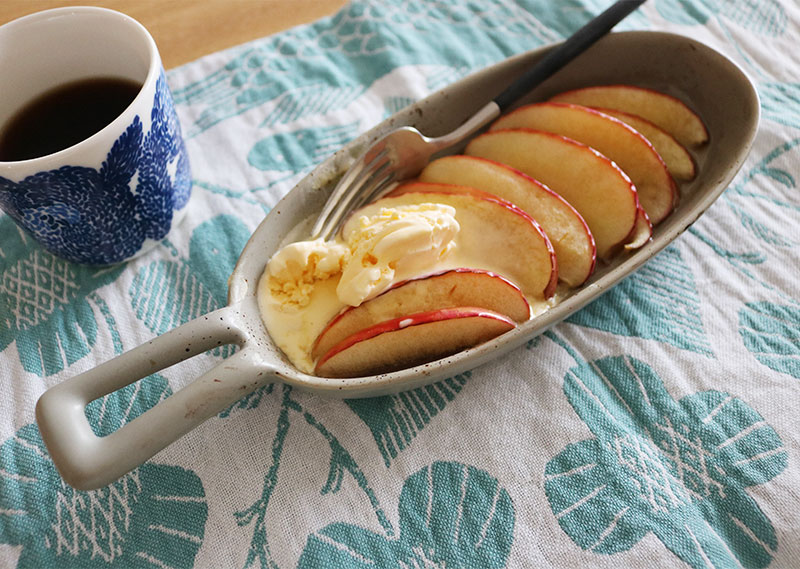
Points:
(710, 83)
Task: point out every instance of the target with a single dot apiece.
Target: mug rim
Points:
(153, 72)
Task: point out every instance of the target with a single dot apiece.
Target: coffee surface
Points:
(64, 116)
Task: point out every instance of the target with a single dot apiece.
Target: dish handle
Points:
(87, 461)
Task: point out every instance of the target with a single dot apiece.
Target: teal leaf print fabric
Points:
(767, 17)
(394, 420)
(357, 46)
(166, 294)
(658, 302)
(451, 515)
(780, 102)
(678, 469)
(154, 516)
(655, 427)
(111, 412)
(44, 302)
(771, 332)
(300, 149)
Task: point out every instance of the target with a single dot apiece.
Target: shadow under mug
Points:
(115, 194)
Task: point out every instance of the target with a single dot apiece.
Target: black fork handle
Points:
(576, 44)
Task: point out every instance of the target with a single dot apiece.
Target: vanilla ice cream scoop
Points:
(392, 245)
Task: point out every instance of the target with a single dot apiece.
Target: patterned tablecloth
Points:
(656, 427)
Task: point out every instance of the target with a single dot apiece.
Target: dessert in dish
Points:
(725, 98)
(485, 240)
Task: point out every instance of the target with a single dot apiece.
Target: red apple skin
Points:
(666, 111)
(641, 233)
(571, 238)
(446, 289)
(678, 159)
(540, 154)
(616, 140)
(443, 193)
(412, 340)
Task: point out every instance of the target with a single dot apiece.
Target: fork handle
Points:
(576, 44)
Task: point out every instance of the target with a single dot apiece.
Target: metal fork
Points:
(404, 152)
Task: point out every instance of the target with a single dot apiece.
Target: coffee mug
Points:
(116, 187)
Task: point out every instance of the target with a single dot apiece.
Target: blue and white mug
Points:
(115, 194)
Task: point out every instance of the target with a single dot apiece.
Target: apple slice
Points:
(572, 241)
(592, 183)
(611, 137)
(678, 160)
(495, 235)
(411, 340)
(449, 289)
(664, 110)
(641, 233)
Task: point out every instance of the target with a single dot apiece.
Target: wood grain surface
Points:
(185, 30)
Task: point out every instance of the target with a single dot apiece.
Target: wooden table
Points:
(187, 29)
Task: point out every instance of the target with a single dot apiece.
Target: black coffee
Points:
(64, 116)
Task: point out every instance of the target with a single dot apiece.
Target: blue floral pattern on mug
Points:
(104, 216)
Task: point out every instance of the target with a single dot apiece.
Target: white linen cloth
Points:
(657, 427)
